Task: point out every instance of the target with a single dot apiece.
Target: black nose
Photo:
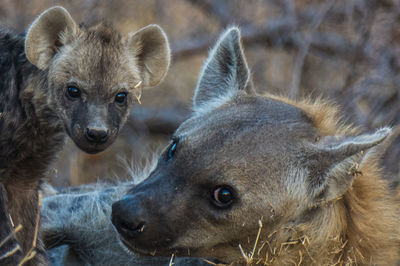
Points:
(127, 218)
(96, 135)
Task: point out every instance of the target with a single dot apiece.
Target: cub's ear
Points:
(149, 50)
(224, 74)
(334, 163)
(51, 30)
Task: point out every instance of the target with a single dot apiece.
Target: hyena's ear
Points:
(335, 161)
(149, 50)
(51, 30)
(224, 74)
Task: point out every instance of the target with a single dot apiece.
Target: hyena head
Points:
(239, 158)
(94, 74)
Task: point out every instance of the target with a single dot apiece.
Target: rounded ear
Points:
(51, 30)
(149, 49)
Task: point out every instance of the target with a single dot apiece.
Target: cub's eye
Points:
(172, 150)
(121, 97)
(73, 92)
(222, 196)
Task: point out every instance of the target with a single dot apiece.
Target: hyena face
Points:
(239, 159)
(94, 74)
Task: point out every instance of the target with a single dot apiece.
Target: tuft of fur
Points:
(77, 229)
(325, 115)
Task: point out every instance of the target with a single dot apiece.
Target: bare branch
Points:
(304, 48)
(279, 32)
(157, 120)
(216, 8)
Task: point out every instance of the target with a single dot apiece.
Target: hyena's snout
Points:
(141, 223)
(93, 128)
(97, 130)
(128, 217)
(97, 135)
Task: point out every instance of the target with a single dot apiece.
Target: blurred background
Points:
(348, 51)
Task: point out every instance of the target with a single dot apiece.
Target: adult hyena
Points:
(313, 182)
(65, 78)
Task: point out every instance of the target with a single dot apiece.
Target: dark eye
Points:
(222, 196)
(172, 150)
(121, 97)
(73, 92)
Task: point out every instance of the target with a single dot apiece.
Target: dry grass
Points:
(171, 261)
(32, 253)
(5, 240)
(269, 251)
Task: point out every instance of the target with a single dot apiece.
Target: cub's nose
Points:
(97, 135)
(127, 217)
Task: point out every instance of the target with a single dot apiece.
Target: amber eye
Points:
(121, 97)
(222, 196)
(73, 92)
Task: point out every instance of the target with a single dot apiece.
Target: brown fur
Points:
(359, 228)
(313, 180)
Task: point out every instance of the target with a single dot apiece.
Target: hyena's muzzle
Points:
(142, 216)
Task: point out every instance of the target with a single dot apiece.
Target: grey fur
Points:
(77, 229)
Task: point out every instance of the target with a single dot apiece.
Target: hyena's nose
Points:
(127, 217)
(97, 135)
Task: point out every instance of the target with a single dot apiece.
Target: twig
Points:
(244, 254)
(171, 260)
(248, 259)
(290, 11)
(258, 236)
(16, 230)
(16, 247)
(32, 253)
(11, 252)
(28, 257)
(279, 32)
(217, 8)
(298, 65)
(209, 262)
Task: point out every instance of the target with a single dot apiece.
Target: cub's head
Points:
(94, 74)
(239, 158)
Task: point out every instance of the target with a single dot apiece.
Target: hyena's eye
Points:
(73, 92)
(121, 97)
(222, 196)
(172, 150)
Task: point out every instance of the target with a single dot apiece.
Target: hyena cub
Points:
(244, 160)
(64, 78)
